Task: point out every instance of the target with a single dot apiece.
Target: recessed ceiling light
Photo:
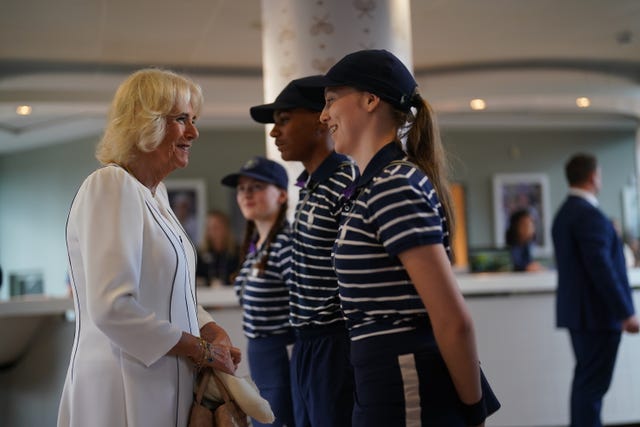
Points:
(583, 102)
(24, 110)
(478, 104)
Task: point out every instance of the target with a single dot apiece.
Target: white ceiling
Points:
(529, 59)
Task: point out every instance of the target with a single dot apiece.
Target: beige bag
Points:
(200, 415)
(228, 414)
(244, 393)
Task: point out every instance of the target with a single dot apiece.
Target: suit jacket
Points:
(593, 289)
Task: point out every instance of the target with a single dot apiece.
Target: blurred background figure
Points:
(520, 237)
(183, 205)
(218, 257)
(634, 245)
(594, 300)
(629, 244)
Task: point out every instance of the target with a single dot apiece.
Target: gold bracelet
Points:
(201, 360)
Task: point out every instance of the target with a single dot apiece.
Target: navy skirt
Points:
(402, 380)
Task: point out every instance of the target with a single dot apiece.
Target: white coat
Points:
(132, 270)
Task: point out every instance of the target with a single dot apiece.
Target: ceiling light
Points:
(478, 104)
(583, 102)
(23, 110)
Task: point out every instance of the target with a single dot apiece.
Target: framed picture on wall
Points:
(187, 198)
(26, 283)
(513, 192)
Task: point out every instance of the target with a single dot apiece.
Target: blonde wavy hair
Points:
(136, 120)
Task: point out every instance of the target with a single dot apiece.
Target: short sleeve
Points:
(404, 208)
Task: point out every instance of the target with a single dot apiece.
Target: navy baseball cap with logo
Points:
(261, 169)
(297, 94)
(373, 70)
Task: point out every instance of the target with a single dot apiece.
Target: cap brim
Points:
(231, 180)
(264, 113)
(319, 81)
(295, 95)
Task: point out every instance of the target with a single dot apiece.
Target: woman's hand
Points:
(219, 357)
(215, 334)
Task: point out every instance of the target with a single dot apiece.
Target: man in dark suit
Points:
(593, 297)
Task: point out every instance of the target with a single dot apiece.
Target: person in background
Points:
(218, 257)
(140, 335)
(519, 237)
(413, 345)
(321, 374)
(627, 241)
(632, 251)
(183, 205)
(261, 186)
(593, 298)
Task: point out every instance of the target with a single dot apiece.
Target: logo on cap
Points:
(250, 164)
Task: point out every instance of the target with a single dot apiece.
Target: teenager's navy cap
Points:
(373, 70)
(297, 94)
(261, 169)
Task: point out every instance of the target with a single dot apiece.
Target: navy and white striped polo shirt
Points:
(314, 297)
(265, 297)
(394, 208)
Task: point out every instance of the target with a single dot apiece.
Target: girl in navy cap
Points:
(412, 339)
(261, 186)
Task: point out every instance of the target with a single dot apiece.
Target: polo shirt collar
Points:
(379, 161)
(324, 171)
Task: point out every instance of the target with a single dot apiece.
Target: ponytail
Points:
(249, 237)
(424, 148)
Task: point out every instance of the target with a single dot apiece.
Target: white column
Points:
(302, 38)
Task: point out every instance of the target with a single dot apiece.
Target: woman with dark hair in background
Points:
(218, 258)
(519, 238)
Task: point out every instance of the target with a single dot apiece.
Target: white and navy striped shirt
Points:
(394, 208)
(314, 297)
(265, 297)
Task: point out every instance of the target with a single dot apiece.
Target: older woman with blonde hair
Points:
(140, 335)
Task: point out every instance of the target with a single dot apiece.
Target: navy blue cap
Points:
(261, 169)
(374, 70)
(297, 94)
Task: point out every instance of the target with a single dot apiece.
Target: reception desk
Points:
(527, 360)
